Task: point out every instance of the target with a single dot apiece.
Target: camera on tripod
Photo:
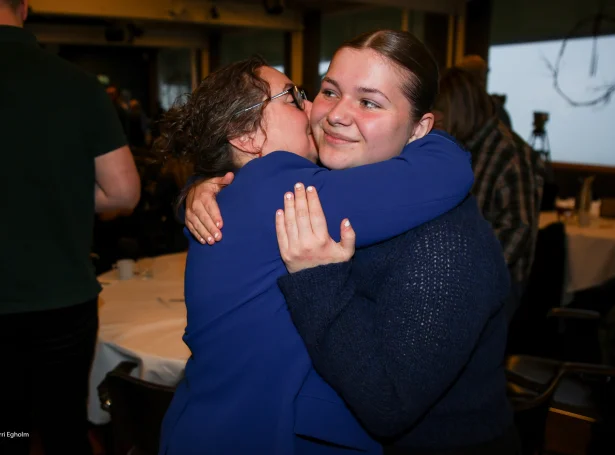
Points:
(540, 120)
(539, 140)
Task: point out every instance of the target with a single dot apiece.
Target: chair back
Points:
(137, 408)
(530, 331)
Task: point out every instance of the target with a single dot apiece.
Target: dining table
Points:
(590, 250)
(141, 319)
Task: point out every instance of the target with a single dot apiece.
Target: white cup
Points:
(595, 208)
(126, 269)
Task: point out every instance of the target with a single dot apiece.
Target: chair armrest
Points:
(589, 368)
(573, 313)
(123, 369)
(524, 395)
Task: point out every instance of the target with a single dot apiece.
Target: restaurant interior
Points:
(550, 63)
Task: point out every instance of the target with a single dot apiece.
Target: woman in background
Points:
(509, 174)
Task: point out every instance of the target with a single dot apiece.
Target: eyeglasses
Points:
(298, 95)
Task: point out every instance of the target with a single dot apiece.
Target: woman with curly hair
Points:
(249, 385)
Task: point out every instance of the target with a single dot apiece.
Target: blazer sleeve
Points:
(180, 214)
(430, 177)
(382, 200)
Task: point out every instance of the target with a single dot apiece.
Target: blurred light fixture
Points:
(274, 6)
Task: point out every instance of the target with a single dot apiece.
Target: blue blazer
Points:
(249, 386)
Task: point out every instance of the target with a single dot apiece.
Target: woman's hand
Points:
(203, 218)
(303, 236)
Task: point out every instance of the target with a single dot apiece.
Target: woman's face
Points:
(360, 115)
(286, 127)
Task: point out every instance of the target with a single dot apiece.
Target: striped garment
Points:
(508, 185)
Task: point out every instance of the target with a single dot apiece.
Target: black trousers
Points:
(507, 444)
(45, 359)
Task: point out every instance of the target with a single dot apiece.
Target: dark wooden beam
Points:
(288, 49)
(478, 27)
(214, 51)
(311, 52)
(436, 36)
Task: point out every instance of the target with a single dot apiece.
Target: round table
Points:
(141, 320)
(591, 251)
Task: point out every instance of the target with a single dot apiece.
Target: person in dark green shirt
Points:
(64, 156)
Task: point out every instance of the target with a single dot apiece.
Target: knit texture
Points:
(411, 332)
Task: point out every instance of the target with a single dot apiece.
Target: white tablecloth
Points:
(591, 251)
(141, 320)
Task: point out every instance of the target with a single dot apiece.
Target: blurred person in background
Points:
(478, 67)
(64, 153)
(121, 107)
(509, 175)
(138, 124)
(155, 122)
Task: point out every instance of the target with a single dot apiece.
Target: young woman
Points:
(410, 332)
(242, 391)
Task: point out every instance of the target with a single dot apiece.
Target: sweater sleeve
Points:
(430, 177)
(392, 354)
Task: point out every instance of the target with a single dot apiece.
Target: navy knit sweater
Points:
(411, 332)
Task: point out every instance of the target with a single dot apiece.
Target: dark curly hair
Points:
(198, 130)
